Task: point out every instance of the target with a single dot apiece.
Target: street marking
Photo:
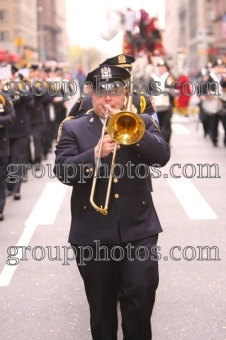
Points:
(180, 129)
(191, 200)
(44, 213)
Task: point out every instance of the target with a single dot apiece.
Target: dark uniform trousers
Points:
(134, 274)
(165, 123)
(18, 156)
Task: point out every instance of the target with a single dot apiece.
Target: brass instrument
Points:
(126, 128)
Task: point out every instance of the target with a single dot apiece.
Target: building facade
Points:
(220, 28)
(191, 30)
(18, 28)
(33, 30)
(53, 42)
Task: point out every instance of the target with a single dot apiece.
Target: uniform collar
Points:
(95, 124)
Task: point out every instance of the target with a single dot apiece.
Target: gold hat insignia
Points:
(121, 59)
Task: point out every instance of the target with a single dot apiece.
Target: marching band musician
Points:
(19, 135)
(211, 107)
(142, 101)
(131, 220)
(7, 118)
(218, 75)
(159, 87)
(202, 79)
(38, 114)
(223, 98)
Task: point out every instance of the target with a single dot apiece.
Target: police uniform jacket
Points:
(7, 118)
(37, 111)
(21, 128)
(131, 212)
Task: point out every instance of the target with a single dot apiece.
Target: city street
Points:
(42, 298)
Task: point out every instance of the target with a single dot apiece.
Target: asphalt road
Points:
(44, 299)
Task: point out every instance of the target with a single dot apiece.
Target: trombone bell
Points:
(126, 127)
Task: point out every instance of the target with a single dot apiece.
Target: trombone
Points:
(126, 128)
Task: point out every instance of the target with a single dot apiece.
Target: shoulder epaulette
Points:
(2, 99)
(89, 111)
(59, 133)
(143, 103)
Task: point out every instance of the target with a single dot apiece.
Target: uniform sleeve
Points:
(72, 165)
(27, 99)
(152, 147)
(8, 117)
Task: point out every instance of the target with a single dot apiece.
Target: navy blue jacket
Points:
(21, 128)
(131, 212)
(7, 118)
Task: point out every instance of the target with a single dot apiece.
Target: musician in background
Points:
(215, 119)
(19, 134)
(131, 220)
(159, 87)
(202, 88)
(211, 104)
(223, 98)
(7, 118)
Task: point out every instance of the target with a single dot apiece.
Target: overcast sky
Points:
(87, 19)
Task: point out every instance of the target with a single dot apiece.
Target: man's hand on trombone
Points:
(107, 147)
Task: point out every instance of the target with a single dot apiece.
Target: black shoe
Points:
(215, 144)
(1, 217)
(17, 196)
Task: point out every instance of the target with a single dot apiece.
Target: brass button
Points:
(84, 207)
(138, 144)
(87, 170)
(21, 121)
(143, 202)
(138, 155)
(38, 108)
(5, 139)
(116, 195)
(115, 180)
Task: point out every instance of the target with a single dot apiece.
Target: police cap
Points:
(108, 73)
(121, 60)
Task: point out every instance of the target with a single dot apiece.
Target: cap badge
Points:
(106, 72)
(121, 59)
